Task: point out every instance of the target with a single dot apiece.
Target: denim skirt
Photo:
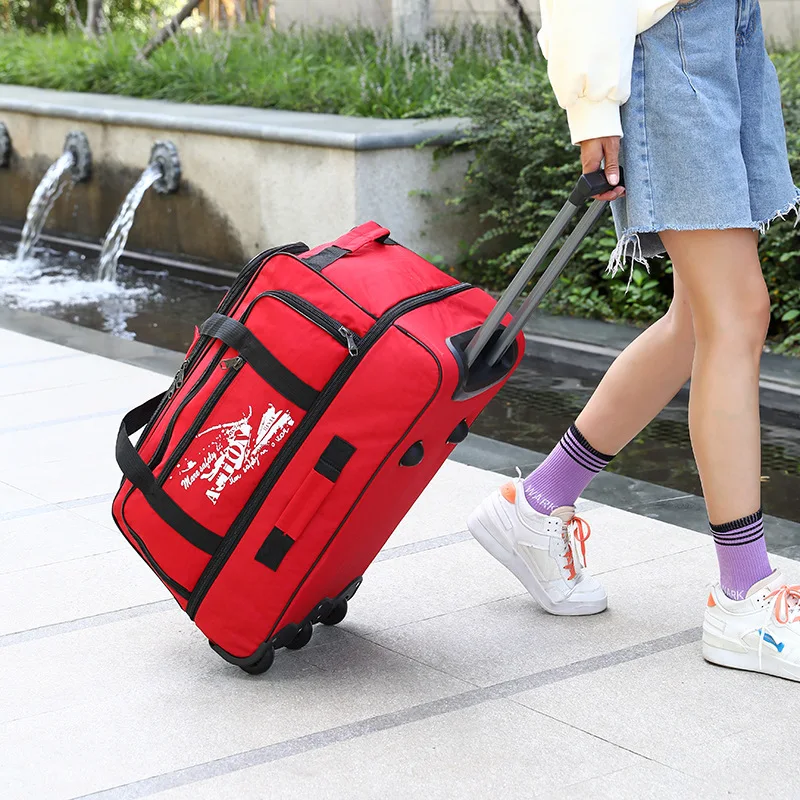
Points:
(704, 144)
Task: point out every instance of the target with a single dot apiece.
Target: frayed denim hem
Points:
(764, 226)
(629, 247)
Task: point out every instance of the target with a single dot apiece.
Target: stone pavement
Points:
(445, 680)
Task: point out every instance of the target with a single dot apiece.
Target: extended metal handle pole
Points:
(547, 280)
(517, 286)
(589, 185)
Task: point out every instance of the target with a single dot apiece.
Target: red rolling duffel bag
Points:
(311, 411)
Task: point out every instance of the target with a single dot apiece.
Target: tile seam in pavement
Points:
(45, 359)
(423, 545)
(68, 384)
(106, 618)
(49, 508)
(65, 420)
(73, 559)
(343, 733)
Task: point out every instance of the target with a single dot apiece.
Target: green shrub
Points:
(358, 72)
(523, 169)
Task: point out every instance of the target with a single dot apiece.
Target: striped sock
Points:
(559, 480)
(742, 555)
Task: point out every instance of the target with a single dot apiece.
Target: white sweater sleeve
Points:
(589, 49)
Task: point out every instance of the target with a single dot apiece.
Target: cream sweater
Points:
(588, 45)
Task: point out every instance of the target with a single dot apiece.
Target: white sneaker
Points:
(539, 550)
(760, 633)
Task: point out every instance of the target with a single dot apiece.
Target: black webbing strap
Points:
(326, 257)
(141, 476)
(333, 253)
(275, 547)
(334, 459)
(330, 466)
(235, 335)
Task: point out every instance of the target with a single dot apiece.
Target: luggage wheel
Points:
(330, 611)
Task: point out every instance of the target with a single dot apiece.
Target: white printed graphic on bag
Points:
(233, 449)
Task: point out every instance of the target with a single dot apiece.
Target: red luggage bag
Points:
(311, 411)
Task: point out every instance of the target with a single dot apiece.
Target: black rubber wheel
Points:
(302, 637)
(262, 665)
(336, 614)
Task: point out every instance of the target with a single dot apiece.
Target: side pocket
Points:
(305, 503)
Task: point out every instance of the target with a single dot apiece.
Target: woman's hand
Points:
(594, 152)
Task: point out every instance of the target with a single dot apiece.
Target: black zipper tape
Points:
(295, 441)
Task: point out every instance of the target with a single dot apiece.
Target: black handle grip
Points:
(591, 184)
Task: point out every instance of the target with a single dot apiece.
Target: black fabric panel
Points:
(235, 335)
(274, 549)
(333, 460)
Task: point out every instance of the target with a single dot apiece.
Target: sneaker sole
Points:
(522, 573)
(747, 662)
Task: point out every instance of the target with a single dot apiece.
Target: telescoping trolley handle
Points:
(588, 186)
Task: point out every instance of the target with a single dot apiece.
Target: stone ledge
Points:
(292, 127)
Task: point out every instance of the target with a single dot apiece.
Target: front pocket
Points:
(226, 438)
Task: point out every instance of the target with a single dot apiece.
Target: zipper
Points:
(326, 397)
(318, 317)
(231, 297)
(231, 367)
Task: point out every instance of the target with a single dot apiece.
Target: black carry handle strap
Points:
(141, 476)
(588, 186)
(235, 335)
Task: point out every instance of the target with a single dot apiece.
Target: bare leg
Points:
(642, 380)
(731, 310)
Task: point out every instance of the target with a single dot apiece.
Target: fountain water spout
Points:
(75, 160)
(164, 174)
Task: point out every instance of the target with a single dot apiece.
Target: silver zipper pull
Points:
(350, 337)
(232, 363)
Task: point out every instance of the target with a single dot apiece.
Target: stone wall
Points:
(252, 179)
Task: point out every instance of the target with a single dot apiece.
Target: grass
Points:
(356, 72)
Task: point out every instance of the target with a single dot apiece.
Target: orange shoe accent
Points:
(782, 609)
(509, 492)
(711, 603)
(570, 565)
(581, 530)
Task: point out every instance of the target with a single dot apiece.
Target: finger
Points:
(614, 194)
(591, 155)
(611, 153)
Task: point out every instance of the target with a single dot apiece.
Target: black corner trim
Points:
(274, 549)
(333, 460)
(326, 257)
(281, 378)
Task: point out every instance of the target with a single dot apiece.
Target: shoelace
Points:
(580, 530)
(784, 609)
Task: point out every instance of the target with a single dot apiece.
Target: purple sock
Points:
(742, 555)
(559, 480)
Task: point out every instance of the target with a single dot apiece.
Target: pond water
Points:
(533, 410)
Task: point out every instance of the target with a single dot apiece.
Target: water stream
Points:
(117, 235)
(48, 190)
